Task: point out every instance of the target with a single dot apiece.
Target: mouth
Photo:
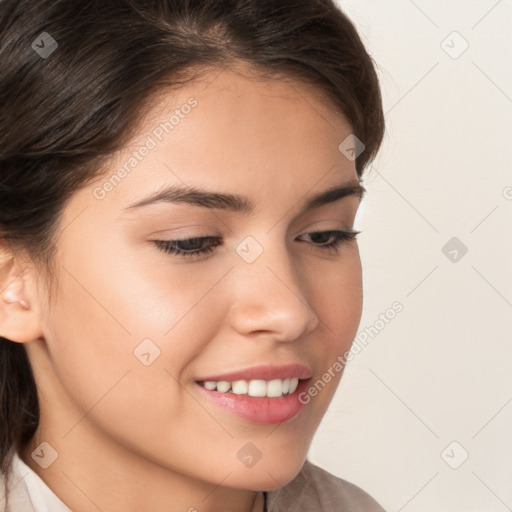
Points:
(267, 394)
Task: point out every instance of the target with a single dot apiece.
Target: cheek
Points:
(116, 311)
(338, 303)
(105, 324)
(105, 383)
(338, 299)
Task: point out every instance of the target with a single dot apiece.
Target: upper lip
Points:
(264, 372)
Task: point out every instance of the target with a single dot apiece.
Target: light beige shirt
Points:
(312, 490)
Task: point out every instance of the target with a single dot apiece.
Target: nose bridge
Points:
(269, 295)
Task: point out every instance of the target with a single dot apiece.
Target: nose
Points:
(270, 298)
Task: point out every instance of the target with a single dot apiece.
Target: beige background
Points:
(440, 371)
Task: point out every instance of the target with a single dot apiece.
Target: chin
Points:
(269, 475)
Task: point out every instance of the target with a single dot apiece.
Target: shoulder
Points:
(316, 489)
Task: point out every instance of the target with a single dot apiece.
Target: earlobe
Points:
(19, 317)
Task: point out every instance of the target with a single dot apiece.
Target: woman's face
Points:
(133, 328)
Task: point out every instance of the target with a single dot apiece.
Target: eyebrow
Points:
(241, 204)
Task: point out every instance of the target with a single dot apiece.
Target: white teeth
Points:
(272, 388)
(257, 388)
(275, 388)
(223, 386)
(239, 387)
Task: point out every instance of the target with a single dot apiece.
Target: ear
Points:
(19, 307)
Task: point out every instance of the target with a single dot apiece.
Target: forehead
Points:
(248, 107)
(234, 132)
(240, 82)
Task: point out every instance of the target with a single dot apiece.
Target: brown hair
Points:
(67, 108)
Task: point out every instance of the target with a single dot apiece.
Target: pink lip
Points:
(263, 372)
(261, 410)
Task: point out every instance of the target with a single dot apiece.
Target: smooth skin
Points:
(131, 436)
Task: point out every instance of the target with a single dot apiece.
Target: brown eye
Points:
(198, 246)
(338, 238)
(188, 247)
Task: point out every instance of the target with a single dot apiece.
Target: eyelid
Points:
(345, 226)
(202, 230)
(209, 231)
(341, 237)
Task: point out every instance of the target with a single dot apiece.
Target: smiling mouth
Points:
(274, 388)
(257, 400)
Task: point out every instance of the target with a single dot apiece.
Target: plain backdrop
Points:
(422, 418)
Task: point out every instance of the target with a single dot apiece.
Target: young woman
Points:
(179, 274)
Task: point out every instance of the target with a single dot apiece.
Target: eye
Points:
(188, 247)
(338, 238)
(194, 247)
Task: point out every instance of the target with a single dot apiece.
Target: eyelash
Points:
(170, 246)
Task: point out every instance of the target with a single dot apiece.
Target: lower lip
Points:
(260, 409)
